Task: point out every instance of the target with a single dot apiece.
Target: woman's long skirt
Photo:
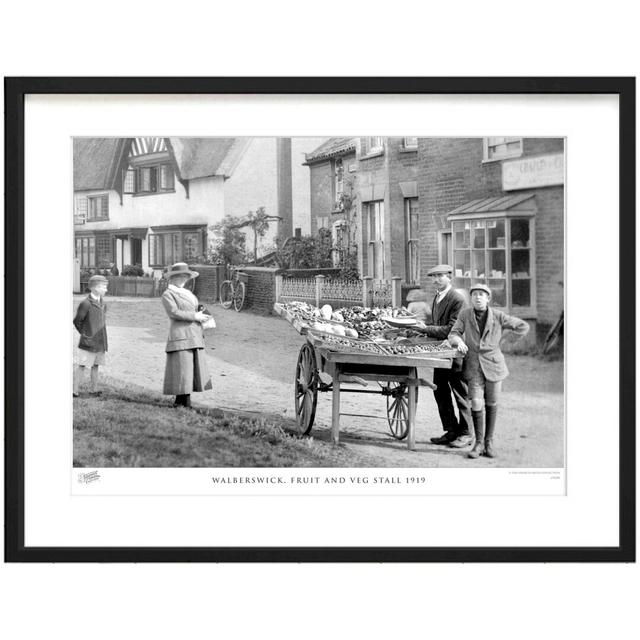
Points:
(185, 372)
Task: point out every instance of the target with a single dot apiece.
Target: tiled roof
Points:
(487, 205)
(332, 147)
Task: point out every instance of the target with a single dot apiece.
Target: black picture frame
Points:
(15, 91)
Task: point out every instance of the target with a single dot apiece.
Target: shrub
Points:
(132, 270)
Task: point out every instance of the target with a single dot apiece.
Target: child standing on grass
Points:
(91, 323)
(477, 333)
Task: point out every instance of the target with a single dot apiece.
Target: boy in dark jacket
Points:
(91, 323)
(477, 334)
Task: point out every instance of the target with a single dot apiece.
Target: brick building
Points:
(367, 189)
(494, 209)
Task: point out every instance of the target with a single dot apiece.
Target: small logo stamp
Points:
(86, 478)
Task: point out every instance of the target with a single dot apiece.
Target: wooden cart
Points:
(322, 367)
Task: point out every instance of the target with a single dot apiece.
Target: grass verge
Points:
(133, 427)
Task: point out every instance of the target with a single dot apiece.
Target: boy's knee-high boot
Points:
(492, 412)
(478, 425)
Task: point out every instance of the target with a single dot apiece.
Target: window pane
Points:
(462, 235)
(130, 181)
(92, 252)
(495, 231)
(410, 143)
(498, 292)
(462, 264)
(520, 292)
(477, 266)
(496, 267)
(166, 177)
(478, 235)
(191, 246)
(519, 233)
(145, 179)
(152, 250)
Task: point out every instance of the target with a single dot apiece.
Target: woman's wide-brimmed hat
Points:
(179, 269)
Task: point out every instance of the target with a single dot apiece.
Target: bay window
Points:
(500, 253)
(175, 246)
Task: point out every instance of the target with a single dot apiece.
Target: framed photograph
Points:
(320, 319)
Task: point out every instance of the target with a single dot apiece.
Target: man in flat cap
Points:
(444, 312)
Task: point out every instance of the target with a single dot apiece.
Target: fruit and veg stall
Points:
(377, 349)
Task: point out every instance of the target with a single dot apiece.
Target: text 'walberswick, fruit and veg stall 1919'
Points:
(363, 347)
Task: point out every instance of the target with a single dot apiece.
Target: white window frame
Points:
(488, 143)
(412, 245)
(375, 239)
(410, 147)
(373, 148)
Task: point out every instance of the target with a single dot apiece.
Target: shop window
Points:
(374, 214)
(498, 148)
(98, 207)
(371, 146)
(412, 240)
(500, 253)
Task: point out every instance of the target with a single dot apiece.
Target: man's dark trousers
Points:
(451, 381)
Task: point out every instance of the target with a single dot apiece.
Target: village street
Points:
(252, 361)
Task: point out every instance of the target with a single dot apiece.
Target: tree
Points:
(228, 243)
(258, 221)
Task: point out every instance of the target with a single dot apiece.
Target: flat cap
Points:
(94, 280)
(480, 287)
(440, 268)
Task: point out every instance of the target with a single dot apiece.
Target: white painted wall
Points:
(205, 205)
(301, 181)
(254, 184)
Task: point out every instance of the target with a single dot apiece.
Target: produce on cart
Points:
(360, 345)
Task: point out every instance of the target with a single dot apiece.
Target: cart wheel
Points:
(398, 409)
(306, 389)
(238, 296)
(226, 294)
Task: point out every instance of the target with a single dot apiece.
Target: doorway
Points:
(136, 251)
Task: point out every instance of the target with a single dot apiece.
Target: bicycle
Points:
(233, 291)
(553, 337)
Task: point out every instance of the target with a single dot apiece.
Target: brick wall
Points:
(452, 172)
(261, 288)
(402, 167)
(207, 284)
(322, 189)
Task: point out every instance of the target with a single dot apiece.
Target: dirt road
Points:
(252, 360)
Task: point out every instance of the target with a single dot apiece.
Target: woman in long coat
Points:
(186, 368)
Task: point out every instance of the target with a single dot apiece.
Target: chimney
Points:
(285, 196)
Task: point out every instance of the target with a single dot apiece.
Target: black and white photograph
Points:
(306, 302)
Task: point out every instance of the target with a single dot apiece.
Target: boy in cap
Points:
(91, 323)
(445, 308)
(477, 333)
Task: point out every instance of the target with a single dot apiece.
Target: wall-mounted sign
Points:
(538, 171)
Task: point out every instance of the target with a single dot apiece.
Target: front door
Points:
(136, 251)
